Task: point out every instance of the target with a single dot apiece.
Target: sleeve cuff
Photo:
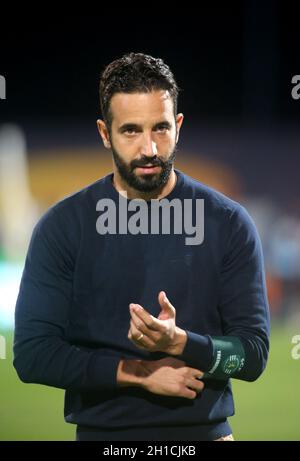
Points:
(198, 351)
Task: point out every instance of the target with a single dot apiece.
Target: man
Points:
(142, 325)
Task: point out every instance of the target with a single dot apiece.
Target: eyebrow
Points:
(135, 126)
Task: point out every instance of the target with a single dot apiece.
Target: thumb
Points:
(167, 309)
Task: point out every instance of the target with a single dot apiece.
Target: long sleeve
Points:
(42, 353)
(243, 305)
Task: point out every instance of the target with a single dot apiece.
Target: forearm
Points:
(52, 361)
(130, 372)
(221, 357)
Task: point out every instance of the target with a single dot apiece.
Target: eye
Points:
(130, 131)
(162, 129)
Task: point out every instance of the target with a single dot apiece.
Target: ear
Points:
(104, 133)
(179, 120)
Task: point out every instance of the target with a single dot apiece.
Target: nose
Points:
(149, 147)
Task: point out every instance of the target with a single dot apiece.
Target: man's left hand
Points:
(156, 334)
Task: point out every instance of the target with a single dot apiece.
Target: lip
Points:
(148, 169)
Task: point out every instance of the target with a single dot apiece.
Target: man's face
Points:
(143, 138)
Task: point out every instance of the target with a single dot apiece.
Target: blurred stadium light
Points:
(18, 209)
(10, 275)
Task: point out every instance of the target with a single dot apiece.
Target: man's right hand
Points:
(168, 376)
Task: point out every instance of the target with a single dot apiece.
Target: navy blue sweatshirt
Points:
(72, 313)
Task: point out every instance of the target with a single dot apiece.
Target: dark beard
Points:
(145, 183)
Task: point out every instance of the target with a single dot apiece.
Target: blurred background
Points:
(241, 136)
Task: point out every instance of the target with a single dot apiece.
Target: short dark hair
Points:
(135, 73)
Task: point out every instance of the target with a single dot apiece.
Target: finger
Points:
(195, 385)
(189, 393)
(197, 373)
(168, 311)
(140, 325)
(144, 342)
(136, 343)
(192, 372)
(151, 322)
(135, 332)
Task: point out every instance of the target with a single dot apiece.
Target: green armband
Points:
(229, 357)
